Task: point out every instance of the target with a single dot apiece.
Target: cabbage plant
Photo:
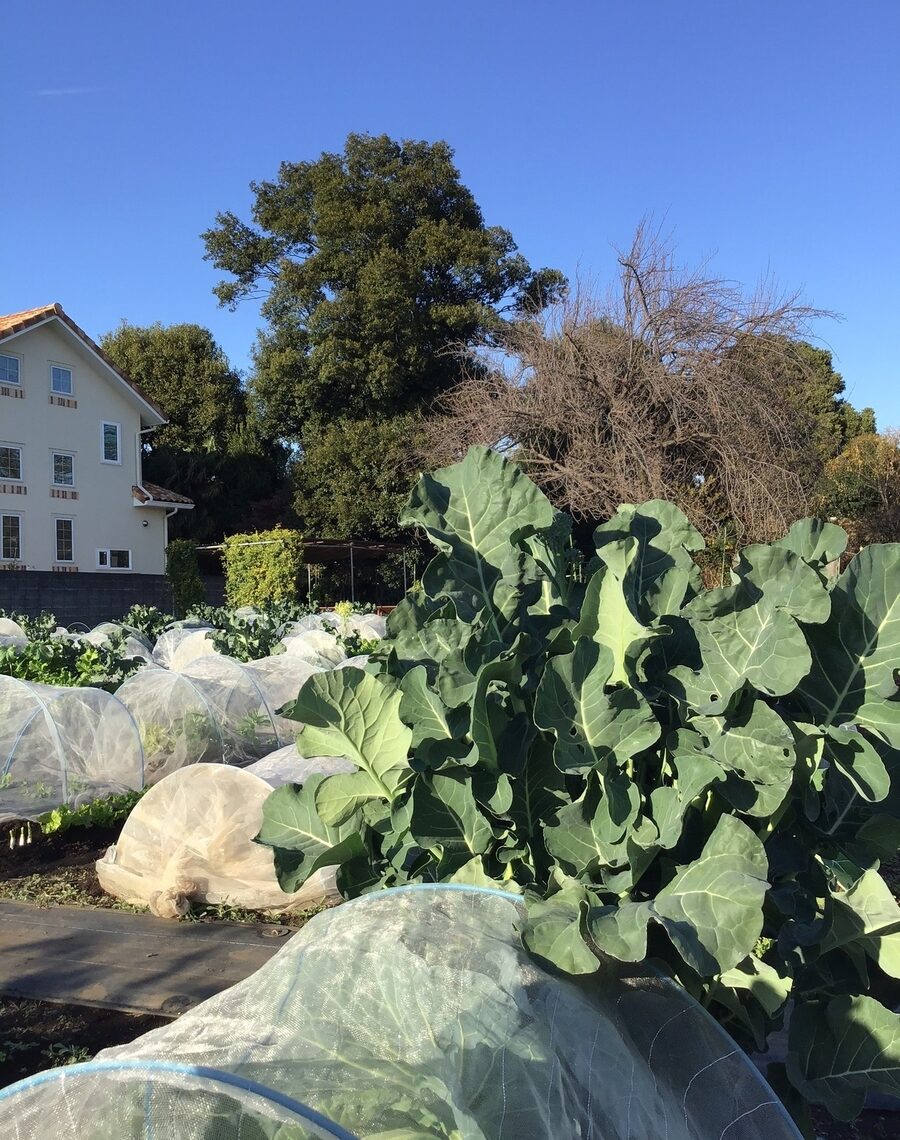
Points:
(701, 781)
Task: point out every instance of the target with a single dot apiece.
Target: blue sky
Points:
(765, 133)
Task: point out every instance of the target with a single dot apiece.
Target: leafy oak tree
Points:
(212, 449)
(183, 369)
(807, 377)
(373, 266)
(377, 455)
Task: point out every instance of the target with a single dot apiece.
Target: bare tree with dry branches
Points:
(648, 393)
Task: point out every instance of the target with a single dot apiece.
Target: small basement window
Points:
(114, 559)
(61, 380)
(10, 462)
(10, 538)
(10, 370)
(111, 435)
(63, 470)
(65, 540)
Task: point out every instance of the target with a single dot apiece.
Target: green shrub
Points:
(707, 780)
(262, 567)
(183, 573)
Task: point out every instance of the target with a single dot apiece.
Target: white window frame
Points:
(21, 450)
(71, 371)
(13, 515)
(13, 356)
(104, 424)
(103, 560)
(56, 557)
(54, 451)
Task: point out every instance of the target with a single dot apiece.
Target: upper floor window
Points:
(10, 461)
(63, 469)
(60, 379)
(11, 537)
(10, 370)
(112, 441)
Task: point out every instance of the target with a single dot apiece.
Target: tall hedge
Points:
(183, 573)
(262, 566)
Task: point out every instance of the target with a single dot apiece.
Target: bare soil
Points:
(36, 1035)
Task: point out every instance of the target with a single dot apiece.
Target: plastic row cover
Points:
(135, 644)
(190, 840)
(12, 634)
(63, 746)
(70, 745)
(417, 1013)
(215, 710)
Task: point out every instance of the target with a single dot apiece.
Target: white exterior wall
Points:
(103, 513)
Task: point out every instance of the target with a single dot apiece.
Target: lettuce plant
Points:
(701, 781)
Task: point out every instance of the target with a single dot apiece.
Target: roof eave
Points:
(150, 410)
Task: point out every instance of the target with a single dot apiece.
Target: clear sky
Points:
(763, 132)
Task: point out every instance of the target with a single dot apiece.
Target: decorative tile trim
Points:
(65, 568)
(60, 493)
(63, 402)
(13, 489)
(16, 393)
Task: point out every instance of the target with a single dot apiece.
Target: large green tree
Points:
(212, 449)
(183, 369)
(817, 393)
(354, 477)
(373, 265)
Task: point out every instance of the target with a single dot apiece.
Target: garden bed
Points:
(58, 869)
(37, 1035)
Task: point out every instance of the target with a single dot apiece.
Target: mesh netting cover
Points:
(316, 645)
(287, 766)
(190, 839)
(12, 634)
(178, 647)
(216, 710)
(63, 746)
(134, 644)
(409, 1014)
(177, 723)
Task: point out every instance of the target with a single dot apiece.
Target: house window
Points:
(111, 435)
(10, 462)
(114, 559)
(10, 538)
(60, 380)
(65, 540)
(63, 469)
(9, 370)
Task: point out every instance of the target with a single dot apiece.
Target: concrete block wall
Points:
(82, 597)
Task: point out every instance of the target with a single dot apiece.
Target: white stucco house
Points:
(72, 494)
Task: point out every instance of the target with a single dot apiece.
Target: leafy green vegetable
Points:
(705, 778)
(102, 812)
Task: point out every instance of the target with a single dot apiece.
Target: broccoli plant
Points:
(703, 781)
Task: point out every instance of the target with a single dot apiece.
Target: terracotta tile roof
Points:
(148, 492)
(17, 322)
